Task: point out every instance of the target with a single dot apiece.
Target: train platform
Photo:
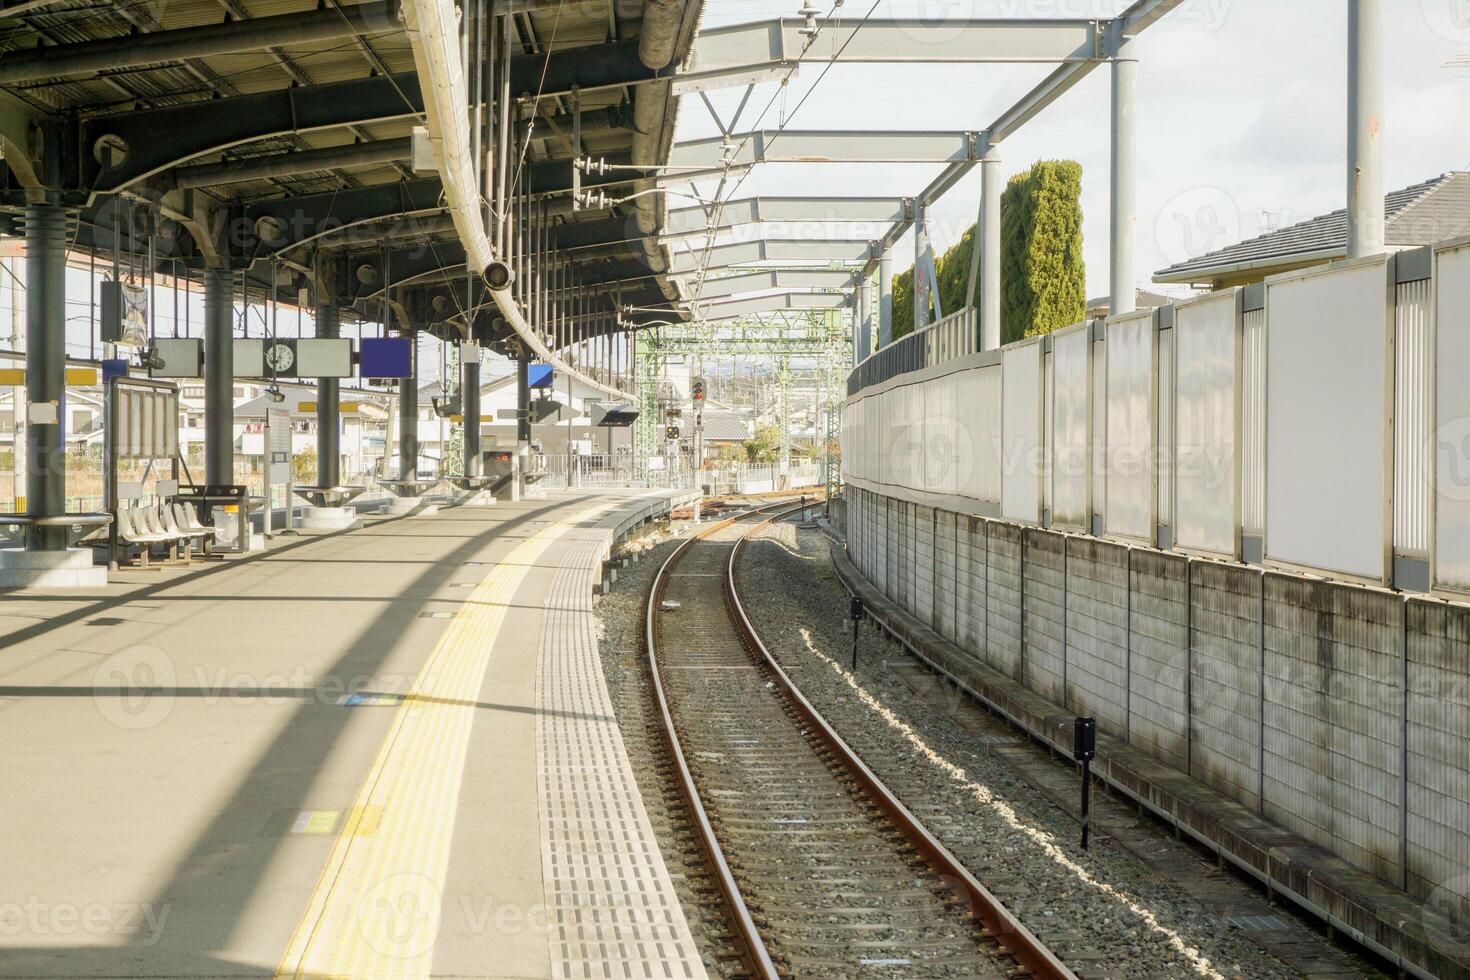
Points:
(383, 752)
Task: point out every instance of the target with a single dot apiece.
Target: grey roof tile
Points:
(1433, 211)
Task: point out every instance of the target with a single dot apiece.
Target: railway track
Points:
(823, 871)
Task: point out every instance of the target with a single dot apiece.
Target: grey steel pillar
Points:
(923, 266)
(885, 298)
(408, 416)
(862, 323)
(328, 405)
(523, 402)
(1124, 295)
(1365, 128)
(469, 360)
(45, 228)
(988, 244)
(219, 378)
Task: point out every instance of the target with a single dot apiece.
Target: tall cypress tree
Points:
(1045, 279)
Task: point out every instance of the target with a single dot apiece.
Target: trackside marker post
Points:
(856, 612)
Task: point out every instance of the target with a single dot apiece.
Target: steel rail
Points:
(759, 958)
(998, 921)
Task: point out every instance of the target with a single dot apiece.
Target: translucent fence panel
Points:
(1207, 337)
(1020, 497)
(1071, 447)
(1129, 506)
(1328, 404)
(1324, 381)
(1253, 423)
(980, 413)
(1452, 419)
(1413, 419)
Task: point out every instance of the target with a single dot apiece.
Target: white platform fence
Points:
(1318, 422)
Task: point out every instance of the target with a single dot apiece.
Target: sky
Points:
(1242, 116)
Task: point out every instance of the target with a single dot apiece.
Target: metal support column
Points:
(469, 394)
(408, 414)
(926, 288)
(219, 378)
(988, 247)
(885, 299)
(1365, 129)
(862, 337)
(45, 229)
(328, 405)
(523, 421)
(1123, 294)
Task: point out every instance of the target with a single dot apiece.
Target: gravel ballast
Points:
(996, 801)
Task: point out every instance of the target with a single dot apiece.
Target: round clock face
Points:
(279, 357)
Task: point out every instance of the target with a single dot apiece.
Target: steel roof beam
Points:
(751, 253)
(781, 42)
(751, 210)
(337, 157)
(730, 309)
(820, 146)
(292, 164)
(311, 217)
(156, 139)
(751, 282)
(205, 41)
(1131, 22)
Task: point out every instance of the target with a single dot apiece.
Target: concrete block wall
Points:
(1097, 624)
(1158, 634)
(925, 559)
(946, 605)
(1225, 678)
(1439, 749)
(970, 582)
(1003, 600)
(1299, 698)
(1043, 608)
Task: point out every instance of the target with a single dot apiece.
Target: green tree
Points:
(1045, 280)
(764, 446)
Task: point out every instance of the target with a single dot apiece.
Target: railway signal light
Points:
(855, 611)
(1084, 750)
(696, 390)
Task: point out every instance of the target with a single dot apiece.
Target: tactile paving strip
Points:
(613, 909)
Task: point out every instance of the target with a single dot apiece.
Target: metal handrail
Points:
(956, 335)
(57, 520)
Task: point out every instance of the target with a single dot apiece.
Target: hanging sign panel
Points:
(1328, 336)
(386, 357)
(179, 357)
(1207, 336)
(323, 357)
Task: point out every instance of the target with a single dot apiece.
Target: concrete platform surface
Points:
(382, 752)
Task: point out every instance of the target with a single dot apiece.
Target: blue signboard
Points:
(385, 357)
(538, 375)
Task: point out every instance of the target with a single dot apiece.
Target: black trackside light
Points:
(498, 275)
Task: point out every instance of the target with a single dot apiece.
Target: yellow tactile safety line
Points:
(375, 911)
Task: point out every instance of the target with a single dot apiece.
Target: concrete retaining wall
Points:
(1338, 712)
